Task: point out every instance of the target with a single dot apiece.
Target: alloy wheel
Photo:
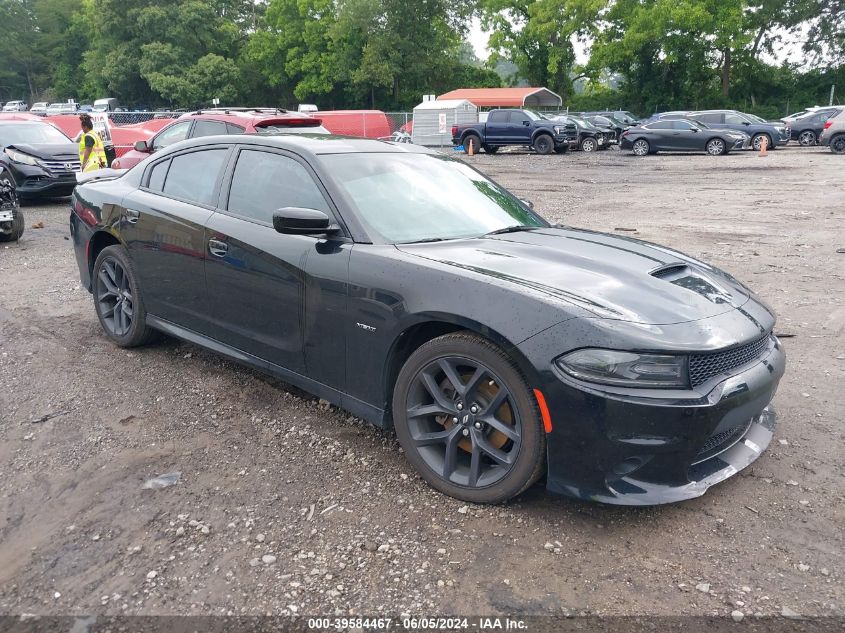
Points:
(716, 147)
(115, 297)
(757, 141)
(463, 421)
(807, 137)
(837, 144)
(640, 147)
(589, 145)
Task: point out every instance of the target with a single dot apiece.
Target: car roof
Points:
(315, 144)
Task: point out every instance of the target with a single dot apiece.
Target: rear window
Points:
(293, 129)
(193, 176)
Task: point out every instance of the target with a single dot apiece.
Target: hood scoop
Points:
(683, 276)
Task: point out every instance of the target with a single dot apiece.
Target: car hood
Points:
(610, 276)
(48, 150)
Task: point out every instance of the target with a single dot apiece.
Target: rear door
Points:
(496, 128)
(281, 298)
(660, 135)
(163, 224)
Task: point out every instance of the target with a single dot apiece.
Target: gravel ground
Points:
(288, 506)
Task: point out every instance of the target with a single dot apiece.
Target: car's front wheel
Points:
(589, 144)
(640, 147)
(837, 144)
(757, 142)
(807, 138)
(118, 300)
(544, 144)
(467, 420)
(716, 147)
(17, 228)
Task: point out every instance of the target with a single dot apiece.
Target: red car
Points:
(222, 121)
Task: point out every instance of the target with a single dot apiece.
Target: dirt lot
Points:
(286, 507)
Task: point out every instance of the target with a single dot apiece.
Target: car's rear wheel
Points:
(641, 147)
(757, 142)
(807, 138)
(118, 300)
(837, 144)
(589, 144)
(467, 420)
(544, 144)
(716, 147)
(474, 141)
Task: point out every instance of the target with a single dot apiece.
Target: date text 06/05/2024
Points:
(421, 623)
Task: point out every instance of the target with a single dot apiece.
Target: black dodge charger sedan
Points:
(41, 159)
(411, 290)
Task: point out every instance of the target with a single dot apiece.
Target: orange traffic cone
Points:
(471, 148)
(763, 143)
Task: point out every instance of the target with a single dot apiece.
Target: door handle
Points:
(217, 248)
(132, 215)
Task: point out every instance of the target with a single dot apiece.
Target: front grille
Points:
(702, 367)
(721, 441)
(58, 166)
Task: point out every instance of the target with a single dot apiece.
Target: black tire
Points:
(120, 293)
(464, 443)
(17, 228)
(589, 144)
(837, 144)
(757, 139)
(473, 139)
(544, 144)
(807, 138)
(491, 149)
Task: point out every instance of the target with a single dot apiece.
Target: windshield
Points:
(534, 116)
(582, 122)
(30, 134)
(754, 118)
(421, 197)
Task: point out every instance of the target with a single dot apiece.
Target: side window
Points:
(661, 125)
(157, 174)
(734, 119)
(681, 125)
(498, 117)
(192, 176)
(517, 117)
(265, 182)
(208, 128)
(231, 128)
(711, 117)
(171, 135)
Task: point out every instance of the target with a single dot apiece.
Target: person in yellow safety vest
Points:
(92, 154)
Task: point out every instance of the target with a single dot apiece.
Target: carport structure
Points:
(506, 97)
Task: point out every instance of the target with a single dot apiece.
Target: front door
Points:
(271, 294)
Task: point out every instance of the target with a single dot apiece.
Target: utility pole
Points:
(832, 89)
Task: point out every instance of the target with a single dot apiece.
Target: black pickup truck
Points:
(516, 127)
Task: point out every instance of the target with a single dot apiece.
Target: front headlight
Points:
(626, 369)
(20, 157)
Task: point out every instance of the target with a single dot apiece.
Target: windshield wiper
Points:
(427, 239)
(512, 229)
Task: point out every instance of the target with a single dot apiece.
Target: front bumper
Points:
(35, 181)
(632, 447)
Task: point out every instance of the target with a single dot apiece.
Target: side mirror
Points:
(746, 123)
(696, 129)
(527, 203)
(300, 221)
(142, 146)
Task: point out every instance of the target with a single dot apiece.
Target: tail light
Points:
(828, 124)
(625, 133)
(454, 130)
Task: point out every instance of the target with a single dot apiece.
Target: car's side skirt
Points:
(356, 407)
